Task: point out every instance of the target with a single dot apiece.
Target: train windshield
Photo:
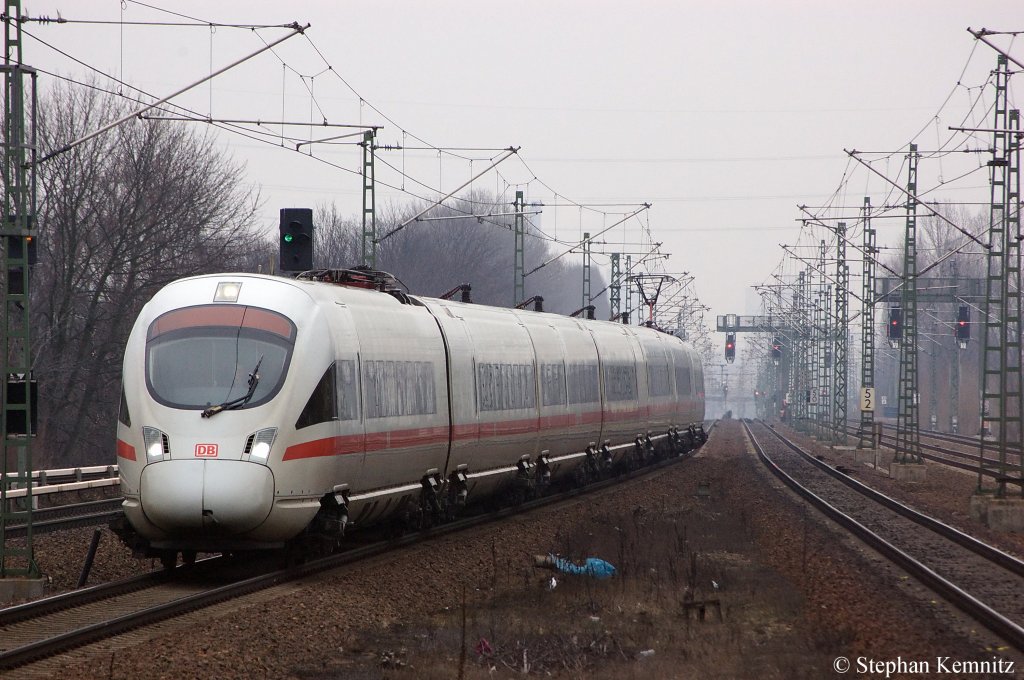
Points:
(201, 356)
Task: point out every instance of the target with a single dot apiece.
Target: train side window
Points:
(620, 382)
(321, 406)
(123, 416)
(552, 384)
(348, 390)
(399, 388)
(683, 381)
(506, 387)
(583, 383)
(659, 380)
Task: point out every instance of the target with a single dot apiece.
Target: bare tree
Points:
(119, 217)
(435, 255)
(336, 238)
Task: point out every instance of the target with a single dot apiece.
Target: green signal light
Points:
(288, 238)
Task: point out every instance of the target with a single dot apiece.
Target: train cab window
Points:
(200, 356)
(321, 405)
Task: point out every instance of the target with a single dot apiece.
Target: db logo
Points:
(206, 450)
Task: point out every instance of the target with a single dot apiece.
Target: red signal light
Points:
(963, 328)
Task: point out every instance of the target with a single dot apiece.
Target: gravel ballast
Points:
(780, 594)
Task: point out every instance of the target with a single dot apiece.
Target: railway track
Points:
(46, 628)
(961, 439)
(973, 443)
(980, 580)
(954, 458)
(69, 516)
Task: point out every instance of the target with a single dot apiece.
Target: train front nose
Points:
(221, 496)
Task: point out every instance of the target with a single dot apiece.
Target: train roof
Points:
(381, 288)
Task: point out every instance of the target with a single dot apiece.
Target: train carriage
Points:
(256, 409)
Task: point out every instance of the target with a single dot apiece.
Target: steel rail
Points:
(995, 555)
(1009, 630)
(961, 439)
(69, 516)
(83, 596)
(64, 523)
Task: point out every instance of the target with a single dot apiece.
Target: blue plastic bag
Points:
(592, 566)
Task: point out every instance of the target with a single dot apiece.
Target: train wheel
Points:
(188, 556)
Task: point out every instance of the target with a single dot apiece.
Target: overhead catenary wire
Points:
(195, 20)
(248, 134)
(296, 30)
(46, 20)
(916, 197)
(258, 121)
(428, 146)
(560, 255)
(511, 151)
(254, 135)
(980, 35)
(232, 127)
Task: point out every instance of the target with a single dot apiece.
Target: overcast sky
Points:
(723, 115)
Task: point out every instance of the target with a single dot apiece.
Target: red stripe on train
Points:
(331, 446)
(125, 450)
(425, 436)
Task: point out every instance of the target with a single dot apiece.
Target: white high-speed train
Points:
(257, 409)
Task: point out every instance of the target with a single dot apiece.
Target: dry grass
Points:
(688, 594)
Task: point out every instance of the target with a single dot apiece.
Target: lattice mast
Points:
(369, 253)
(824, 333)
(954, 370)
(17, 226)
(518, 259)
(586, 270)
(1001, 403)
(908, 432)
(826, 365)
(840, 348)
(615, 288)
(867, 333)
(814, 350)
(629, 290)
(802, 360)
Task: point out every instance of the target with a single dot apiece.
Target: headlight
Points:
(158, 446)
(258, 445)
